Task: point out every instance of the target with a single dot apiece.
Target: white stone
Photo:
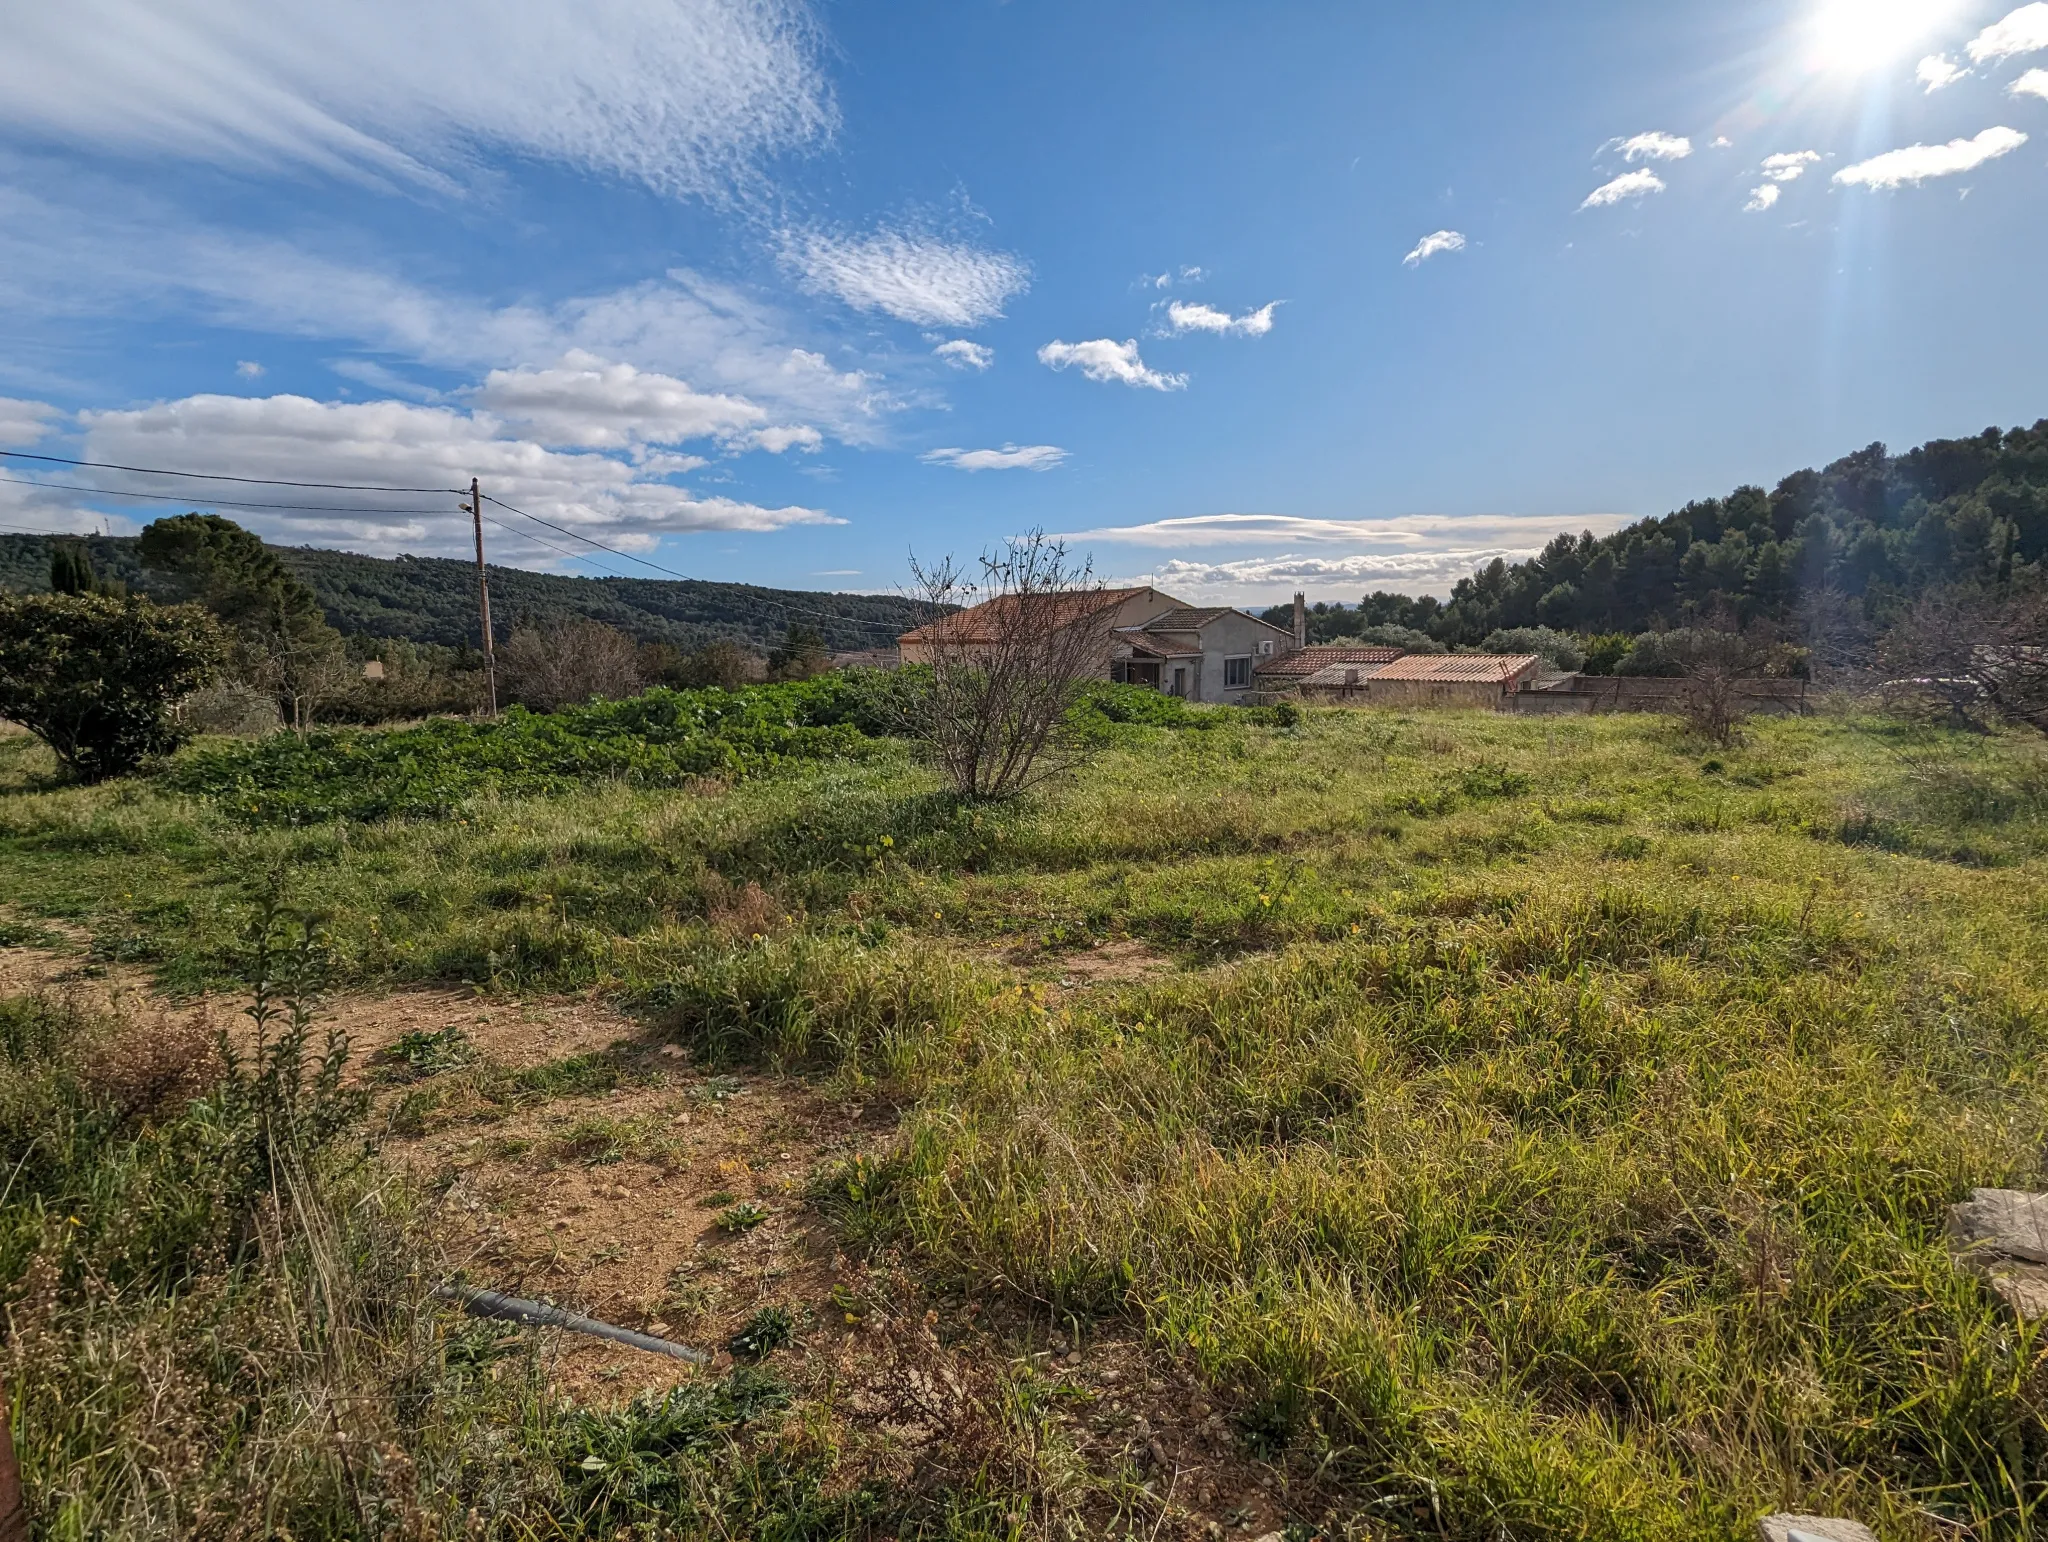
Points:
(1812, 1528)
(2003, 1221)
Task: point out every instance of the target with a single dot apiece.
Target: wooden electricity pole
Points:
(483, 593)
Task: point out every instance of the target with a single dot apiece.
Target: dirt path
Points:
(567, 1153)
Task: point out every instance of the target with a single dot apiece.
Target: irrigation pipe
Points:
(504, 1308)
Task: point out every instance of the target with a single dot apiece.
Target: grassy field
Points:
(1520, 1129)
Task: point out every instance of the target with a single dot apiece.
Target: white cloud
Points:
(1432, 245)
(1412, 533)
(1937, 71)
(628, 504)
(248, 369)
(1011, 457)
(962, 354)
(2024, 31)
(1106, 360)
(592, 404)
(1916, 163)
(1183, 318)
(786, 436)
(1652, 147)
(22, 422)
(1722, 142)
(75, 259)
(1790, 166)
(912, 275)
(1762, 198)
(683, 96)
(1630, 184)
(1270, 579)
(2033, 83)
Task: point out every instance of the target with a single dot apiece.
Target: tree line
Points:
(1857, 543)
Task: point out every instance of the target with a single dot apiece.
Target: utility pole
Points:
(483, 593)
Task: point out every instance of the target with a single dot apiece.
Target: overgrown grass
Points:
(1545, 1129)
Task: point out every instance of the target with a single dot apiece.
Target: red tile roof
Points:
(980, 623)
(1306, 661)
(1479, 668)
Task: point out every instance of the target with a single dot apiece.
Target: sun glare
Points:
(1853, 36)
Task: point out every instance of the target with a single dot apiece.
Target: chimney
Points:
(1301, 621)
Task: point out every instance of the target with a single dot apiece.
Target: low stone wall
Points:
(1643, 693)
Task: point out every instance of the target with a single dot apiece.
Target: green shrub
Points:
(96, 678)
(658, 739)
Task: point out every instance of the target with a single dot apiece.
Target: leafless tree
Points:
(1007, 669)
(1840, 641)
(550, 666)
(1718, 663)
(1972, 653)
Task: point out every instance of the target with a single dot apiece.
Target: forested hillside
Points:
(1873, 527)
(433, 599)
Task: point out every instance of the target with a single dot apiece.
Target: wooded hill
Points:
(433, 599)
(1873, 527)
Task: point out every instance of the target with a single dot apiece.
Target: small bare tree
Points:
(1007, 668)
(1972, 652)
(566, 665)
(1718, 662)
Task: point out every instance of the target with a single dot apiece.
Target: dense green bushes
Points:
(659, 739)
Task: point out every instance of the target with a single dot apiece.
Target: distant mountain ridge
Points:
(433, 599)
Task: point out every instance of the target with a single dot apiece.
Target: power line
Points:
(227, 503)
(209, 476)
(875, 624)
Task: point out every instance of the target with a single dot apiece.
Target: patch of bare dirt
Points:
(1120, 962)
(620, 1203)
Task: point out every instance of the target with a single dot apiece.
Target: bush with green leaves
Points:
(660, 739)
(98, 678)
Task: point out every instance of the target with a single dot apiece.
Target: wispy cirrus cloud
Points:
(913, 275)
(1111, 362)
(1651, 147)
(2024, 31)
(1915, 164)
(1435, 245)
(1011, 457)
(686, 97)
(1182, 318)
(1630, 184)
(962, 354)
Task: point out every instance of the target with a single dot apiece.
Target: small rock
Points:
(1074, 1358)
(1812, 1528)
(2002, 1234)
(2005, 1221)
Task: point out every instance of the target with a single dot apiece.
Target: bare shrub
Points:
(1971, 653)
(549, 666)
(1717, 663)
(723, 665)
(738, 914)
(1006, 671)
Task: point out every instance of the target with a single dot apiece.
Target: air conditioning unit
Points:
(1265, 647)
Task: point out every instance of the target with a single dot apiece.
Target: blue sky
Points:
(1244, 298)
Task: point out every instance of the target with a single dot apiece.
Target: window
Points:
(1180, 682)
(1237, 674)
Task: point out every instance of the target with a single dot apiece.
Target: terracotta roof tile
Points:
(1306, 661)
(1480, 668)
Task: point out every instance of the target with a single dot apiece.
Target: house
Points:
(1200, 654)
(1148, 638)
(1428, 680)
(1111, 609)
